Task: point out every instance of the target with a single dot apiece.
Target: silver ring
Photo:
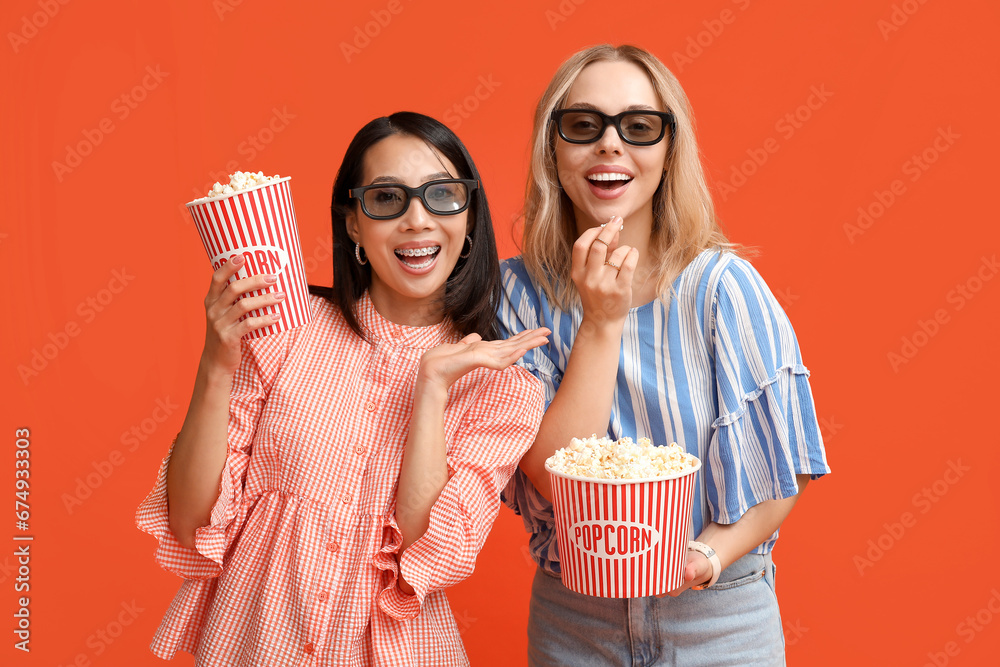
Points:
(602, 241)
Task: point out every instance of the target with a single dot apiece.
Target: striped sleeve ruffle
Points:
(520, 308)
(766, 431)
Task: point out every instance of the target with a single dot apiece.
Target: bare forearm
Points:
(199, 455)
(582, 404)
(424, 470)
(732, 541)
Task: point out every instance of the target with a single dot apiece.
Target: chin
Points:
(601, 213)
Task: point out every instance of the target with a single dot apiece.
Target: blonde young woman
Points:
(659, 330)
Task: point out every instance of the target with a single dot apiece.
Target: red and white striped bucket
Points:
(258, 223)
(623, 538)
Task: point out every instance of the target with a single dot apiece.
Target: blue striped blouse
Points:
(714, 367)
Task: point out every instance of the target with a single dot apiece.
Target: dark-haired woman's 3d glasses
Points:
(385, 201)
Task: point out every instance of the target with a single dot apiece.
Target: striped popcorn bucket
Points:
(258, 223)
(623, 538)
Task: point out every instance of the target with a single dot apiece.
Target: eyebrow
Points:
(396, 179)
(591, 107)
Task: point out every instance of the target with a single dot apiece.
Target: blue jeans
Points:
(736, 622)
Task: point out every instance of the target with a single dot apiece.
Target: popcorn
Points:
(241, 180)
(253, 216)
(623, 514)
(600, 458)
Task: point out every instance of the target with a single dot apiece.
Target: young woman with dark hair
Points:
(330, 480)
(473, 289)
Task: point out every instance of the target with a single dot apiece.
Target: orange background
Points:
(867, 571)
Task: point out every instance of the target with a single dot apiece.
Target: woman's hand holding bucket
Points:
(698, 570)
(223, 309)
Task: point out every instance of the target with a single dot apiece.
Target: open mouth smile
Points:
(608, 180)
(418, 259)
(608, 184)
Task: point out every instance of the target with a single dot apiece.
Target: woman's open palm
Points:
(446, 363)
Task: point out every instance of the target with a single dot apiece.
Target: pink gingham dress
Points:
(298, 565)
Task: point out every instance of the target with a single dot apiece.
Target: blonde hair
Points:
(684, 222)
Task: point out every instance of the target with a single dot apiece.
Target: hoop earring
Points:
(469, 241)
(357, 254)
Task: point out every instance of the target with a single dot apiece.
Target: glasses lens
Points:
(580, 125)
(642, 128)
(446, 197)
(385, 201)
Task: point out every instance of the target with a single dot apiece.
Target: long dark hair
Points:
(472, 292)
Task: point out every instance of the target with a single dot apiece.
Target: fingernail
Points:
(237, 260)
(276, 316)
(270, 278)
(279, 295)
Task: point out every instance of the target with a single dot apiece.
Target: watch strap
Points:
(713, 558)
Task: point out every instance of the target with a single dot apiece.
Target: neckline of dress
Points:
(378, 327)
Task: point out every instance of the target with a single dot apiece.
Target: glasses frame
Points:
(358, 193)
(668, 121)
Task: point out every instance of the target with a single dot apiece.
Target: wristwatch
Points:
(709, 553)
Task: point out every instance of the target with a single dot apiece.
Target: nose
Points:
(609, 141)
(417, 217)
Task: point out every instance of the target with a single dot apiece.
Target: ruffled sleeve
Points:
(484, 453)
(522, 307)
(261, 361)
(766, 431)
